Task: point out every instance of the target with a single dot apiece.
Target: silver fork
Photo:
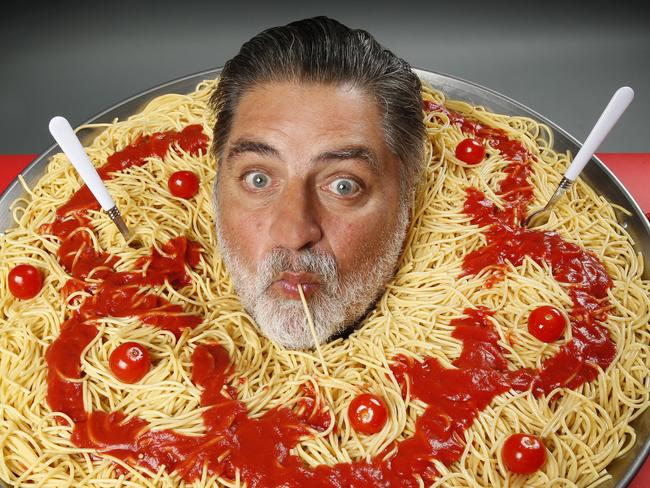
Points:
(613, 111)
(66, 138)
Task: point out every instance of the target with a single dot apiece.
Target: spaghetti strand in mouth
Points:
(310, 321)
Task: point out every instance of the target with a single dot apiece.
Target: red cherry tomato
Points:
(183, 184)
(523, 453)
(367, 413)
(546, 323)
(470, 151)
(130, 362)
(25, 281)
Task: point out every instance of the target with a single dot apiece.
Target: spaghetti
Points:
(310, 322)
(455, 292)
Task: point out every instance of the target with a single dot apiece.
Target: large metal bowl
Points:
(596, 174)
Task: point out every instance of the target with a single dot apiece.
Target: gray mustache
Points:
(314, 261)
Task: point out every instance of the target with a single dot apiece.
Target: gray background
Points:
(564, 61)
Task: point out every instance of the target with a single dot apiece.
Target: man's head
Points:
(319, 138)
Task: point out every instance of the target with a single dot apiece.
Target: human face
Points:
(308, 194)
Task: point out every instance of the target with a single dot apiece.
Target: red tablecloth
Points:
(632, 169)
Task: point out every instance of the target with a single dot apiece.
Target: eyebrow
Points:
(359, 152)
(247, 145)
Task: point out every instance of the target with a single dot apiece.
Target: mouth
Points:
(287, 284)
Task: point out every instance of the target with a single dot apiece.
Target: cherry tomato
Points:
(523, 453)
(367, 413)
(546, 323)
(470, 151)
(130, 362)
(25, 281)
(183, 184)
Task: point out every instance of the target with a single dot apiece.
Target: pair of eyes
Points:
(344, 187)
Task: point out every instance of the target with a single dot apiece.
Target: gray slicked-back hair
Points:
(322, 50)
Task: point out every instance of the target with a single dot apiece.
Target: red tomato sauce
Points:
(585, 277)
(259, 448)
(114, 294)
(191, 139)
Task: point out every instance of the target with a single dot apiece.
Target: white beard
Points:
(335, 305)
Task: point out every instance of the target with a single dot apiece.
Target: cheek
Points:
(242, 230)
(357, 243)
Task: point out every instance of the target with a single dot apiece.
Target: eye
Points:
(344, 187)
(257, 180)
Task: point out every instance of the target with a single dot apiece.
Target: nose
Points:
(295, 223)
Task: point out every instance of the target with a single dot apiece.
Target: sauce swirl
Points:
(260, 448)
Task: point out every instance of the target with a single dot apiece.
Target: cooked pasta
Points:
(583, 428)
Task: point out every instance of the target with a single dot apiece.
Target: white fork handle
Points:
(607, 120)
(66, 138)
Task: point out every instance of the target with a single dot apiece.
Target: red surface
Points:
(11, 165)
(631, 169)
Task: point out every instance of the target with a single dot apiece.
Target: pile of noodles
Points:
(583, 430)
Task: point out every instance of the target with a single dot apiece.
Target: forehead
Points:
(308, 113)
